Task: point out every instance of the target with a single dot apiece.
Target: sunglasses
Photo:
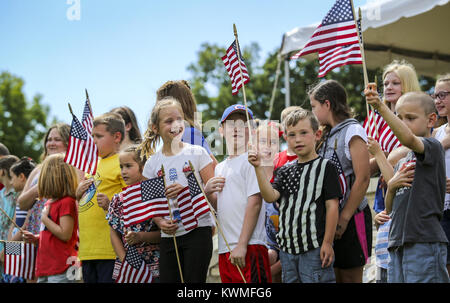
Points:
(441, 95)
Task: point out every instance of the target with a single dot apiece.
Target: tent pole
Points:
(286, 82)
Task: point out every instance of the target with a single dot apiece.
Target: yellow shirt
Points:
(95, 242)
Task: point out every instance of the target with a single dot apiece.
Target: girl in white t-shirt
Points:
(193, 232)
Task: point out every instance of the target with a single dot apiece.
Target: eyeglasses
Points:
(441, 95)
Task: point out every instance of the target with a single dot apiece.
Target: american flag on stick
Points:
(342, 181)
(20, 259)
(338, 28)
(377, 128)
(144, 200)
(134, 269)
(334, 57)
(191, 201)
(82, 153)
(88, 118)
(231, 62)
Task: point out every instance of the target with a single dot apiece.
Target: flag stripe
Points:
(231, 62)
(338, 28)
(82, 153)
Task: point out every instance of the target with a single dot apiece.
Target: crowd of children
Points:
(297, 215)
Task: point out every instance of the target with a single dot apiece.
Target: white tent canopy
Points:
(416, 31)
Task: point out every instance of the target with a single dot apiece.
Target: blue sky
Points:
(122, 51)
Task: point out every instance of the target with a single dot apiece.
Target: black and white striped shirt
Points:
(304, 188)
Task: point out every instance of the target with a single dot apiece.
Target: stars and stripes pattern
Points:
(380, 131)
(336, 29)
(334, 57)
(301, 205)
(341, 176)
(144, 200)
(20, 259)
(231, 62)
(88, 118)
(82, 153)
(134, 269)
(192, 203)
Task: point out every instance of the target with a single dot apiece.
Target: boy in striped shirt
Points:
(308, 192)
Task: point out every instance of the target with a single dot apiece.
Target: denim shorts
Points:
(305, 268)
(418, 263)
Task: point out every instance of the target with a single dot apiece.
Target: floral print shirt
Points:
(149, 252)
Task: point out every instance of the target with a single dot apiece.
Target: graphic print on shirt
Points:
(173, 176)
(86, 200)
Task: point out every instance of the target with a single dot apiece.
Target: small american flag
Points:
(381, 132)
(134, 269)
(232, 65)
(342, 181)
(337, 29)
(82, 153)
(199, 203)
(144, 200)
(192, 202)
(88, 117)
(20, 259)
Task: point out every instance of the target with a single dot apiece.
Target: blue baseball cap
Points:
(235, 108)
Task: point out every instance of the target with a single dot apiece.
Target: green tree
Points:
(23, 124)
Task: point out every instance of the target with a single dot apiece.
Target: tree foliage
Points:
(23, 124)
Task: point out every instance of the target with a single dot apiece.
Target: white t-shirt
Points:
(173, 168)
(353, 130)
(240, 183)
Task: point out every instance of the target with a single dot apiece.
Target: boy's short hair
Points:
(285, 112)
(57, 178)
(6, 162)
(422, 99)
(114, 123)
(3, 150)
(300, 114)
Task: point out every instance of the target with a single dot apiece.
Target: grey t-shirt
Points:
(417, 210)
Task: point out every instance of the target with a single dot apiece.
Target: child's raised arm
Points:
(401, 131)
(268, 193)
(385, 167)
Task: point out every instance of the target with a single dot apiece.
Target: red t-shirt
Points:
(281, 159)
(1, 186)
(53, 254)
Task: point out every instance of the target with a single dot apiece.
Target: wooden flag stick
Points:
(171, 219)
(242, 80)
(363, 58)
(213, 212)
(9, 218)
(89, 101)
(70, 108)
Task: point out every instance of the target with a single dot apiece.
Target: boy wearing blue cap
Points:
(234, 193)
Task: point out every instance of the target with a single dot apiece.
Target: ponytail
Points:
(148, 146)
